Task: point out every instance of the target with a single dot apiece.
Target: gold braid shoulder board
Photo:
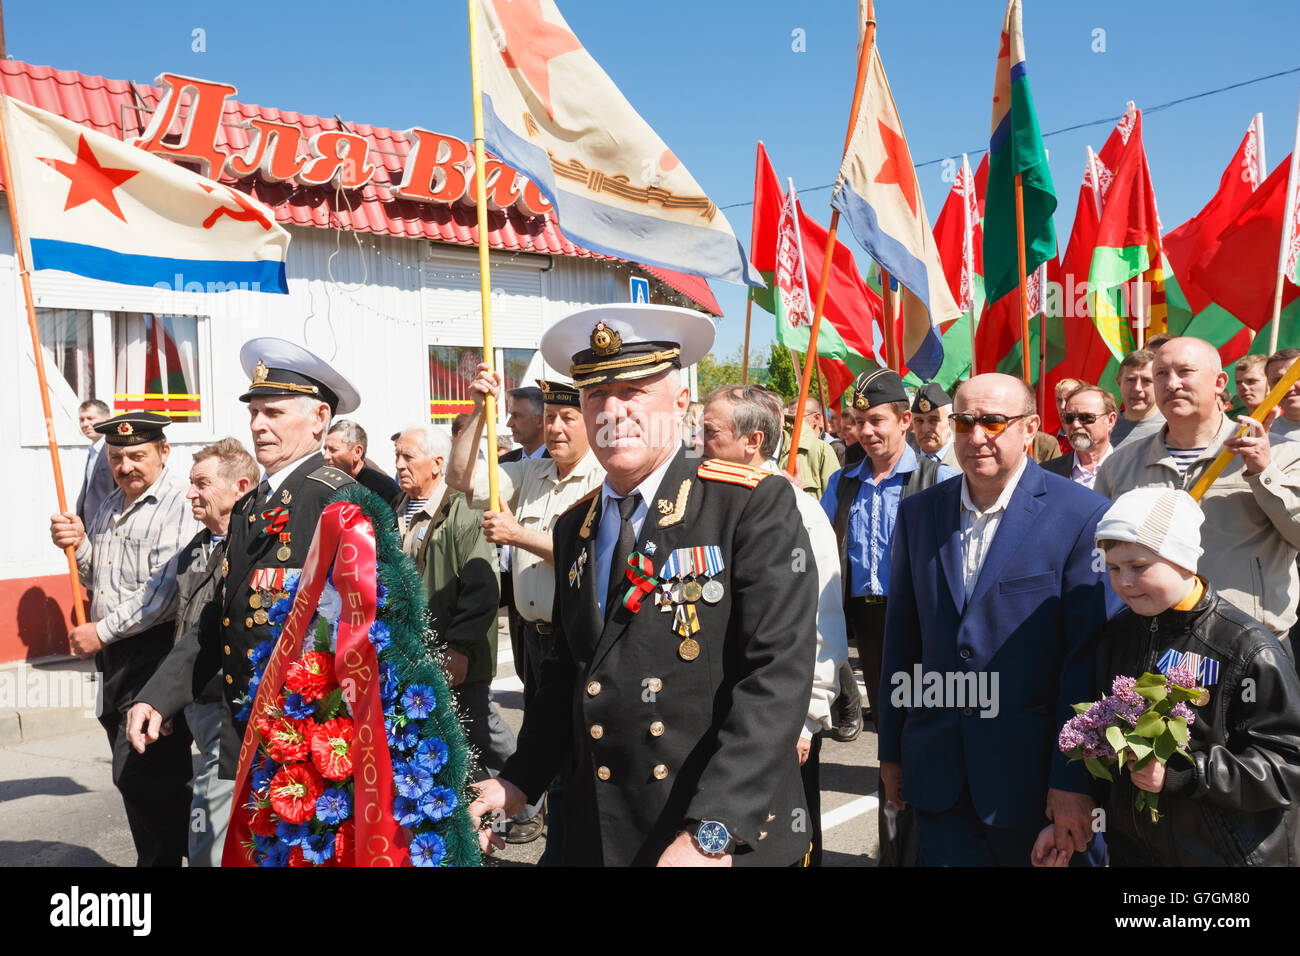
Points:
(715, 469)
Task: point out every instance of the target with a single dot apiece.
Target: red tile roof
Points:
(121, 109)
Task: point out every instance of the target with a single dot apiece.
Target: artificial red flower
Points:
(288, 740)
(331, 748)
(261, 821)
(297, 859)
(311, 676)
(345, 840)
(294, 791)
(272, 711)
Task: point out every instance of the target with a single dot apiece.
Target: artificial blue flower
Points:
(438, 803)
(427, 849)
(418, 701)
(387, 683)
(431, 754)
(262, 844)
(333, 806)
(406, 811)
(291, 834)
(276, 855)
(297, 708)
(261, 652)
(381, 595)
(411, 780)
(380, 636)
(318, 847)
(254, 683)
(403, 736)
(278, 612)
(242, 715)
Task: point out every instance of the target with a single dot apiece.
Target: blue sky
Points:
(713, 78)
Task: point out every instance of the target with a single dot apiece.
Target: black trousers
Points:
(538, 647)
(811, 774)
(155, 788)
(897, 828)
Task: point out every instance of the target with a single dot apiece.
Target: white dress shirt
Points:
(276, 480)
(607, 534)
(1085, 477)
(978, 529)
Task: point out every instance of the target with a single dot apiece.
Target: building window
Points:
(452, 368)
(66, 335)
(156, 365)
(132, 361)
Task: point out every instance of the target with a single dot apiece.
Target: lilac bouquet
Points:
(1148, 717)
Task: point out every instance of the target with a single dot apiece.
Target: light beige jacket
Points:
(1251, 531)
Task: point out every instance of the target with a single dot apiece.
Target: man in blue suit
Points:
(994, 606)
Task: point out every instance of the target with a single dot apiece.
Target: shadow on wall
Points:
(42, 626)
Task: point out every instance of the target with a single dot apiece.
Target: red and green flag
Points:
(1015, 149)
(959, 236)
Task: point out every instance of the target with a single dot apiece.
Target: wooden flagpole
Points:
(890, 321)
(1288, 226)
(749, 307)
(1042, 336)
(1024, 293)
(78, 601)
(968, 250)
(485, 282)
(864, 57)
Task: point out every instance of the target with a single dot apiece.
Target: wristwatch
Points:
(713, 838)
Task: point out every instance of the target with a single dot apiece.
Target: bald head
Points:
(1188, 379)
(1012, 396)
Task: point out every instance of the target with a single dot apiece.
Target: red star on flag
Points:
(90, 181)
(896, 169)
(531, 42)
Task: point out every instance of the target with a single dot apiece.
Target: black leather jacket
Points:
(1235, 806)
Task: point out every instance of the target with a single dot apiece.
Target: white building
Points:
(383, 282)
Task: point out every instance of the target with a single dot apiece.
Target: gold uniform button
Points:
(597, 731)
(602, 772)
(657, 729)
(762, 834)
(229, 679)
(248, 622)
(770, 818)
(225, 622)
(227, 649)
(593, 688)
(660, 771)
(654, 684)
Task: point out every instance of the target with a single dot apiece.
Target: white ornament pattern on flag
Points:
(1250, 162)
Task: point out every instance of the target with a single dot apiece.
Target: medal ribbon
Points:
(345, 538)
(641, 573)
(276, 519)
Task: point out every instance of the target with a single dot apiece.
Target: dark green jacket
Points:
(460, 578)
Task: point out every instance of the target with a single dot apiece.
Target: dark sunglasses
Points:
(1083, 418)
(964, 423)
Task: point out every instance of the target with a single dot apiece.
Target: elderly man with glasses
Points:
(1088, 418)
(987, 647)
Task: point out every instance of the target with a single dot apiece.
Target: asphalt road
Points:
(58, 805)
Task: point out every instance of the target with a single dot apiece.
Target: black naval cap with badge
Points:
(881, 386)
(556, 392)
(929, 397)
(280, 367)
(610, 343)
(133, 428)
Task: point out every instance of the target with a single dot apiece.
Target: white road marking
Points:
(850, 810)
(505, 684)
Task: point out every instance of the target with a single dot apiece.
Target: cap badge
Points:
(125, 428)
(604, 340)
(860, 401)
(923, 405)
(259, 373)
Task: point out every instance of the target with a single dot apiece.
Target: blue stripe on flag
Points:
(891, 254)
(1000, 133)
(94, 262)
(928, 357)
(1017, 71)
(607, 229)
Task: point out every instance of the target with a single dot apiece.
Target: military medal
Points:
(260, 616)
(712, 592)
(692, 591)
(225, 567)
(689, 649)
(284, 552)
(255, 600)
(685, 621)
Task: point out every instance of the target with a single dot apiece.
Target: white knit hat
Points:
(1166, 520)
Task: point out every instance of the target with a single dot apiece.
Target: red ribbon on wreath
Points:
(345, 538)
(641, 573)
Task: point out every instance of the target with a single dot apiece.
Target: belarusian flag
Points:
(1015, 148)
(792, 298)
(1241, 273)
(1128, 245)
(959, 235)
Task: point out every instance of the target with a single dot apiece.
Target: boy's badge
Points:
(1205, 668)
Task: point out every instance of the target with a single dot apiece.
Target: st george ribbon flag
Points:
(93, 205)
(552, 113)
(878, 193)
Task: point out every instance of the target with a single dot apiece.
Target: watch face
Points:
(712, 837)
